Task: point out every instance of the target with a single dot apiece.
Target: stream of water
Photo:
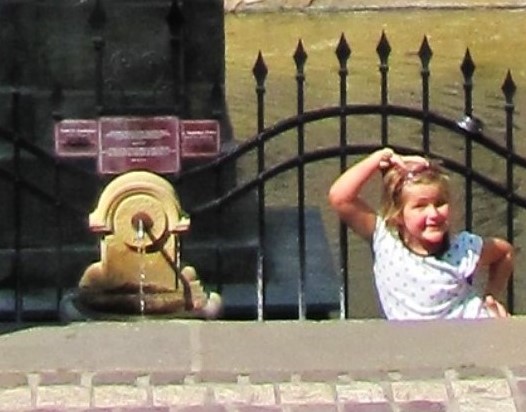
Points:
(140, 237)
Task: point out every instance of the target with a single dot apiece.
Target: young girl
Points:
(422, 271)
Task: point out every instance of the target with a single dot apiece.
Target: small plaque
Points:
(200, 139)
(76, 138)
(128, 143)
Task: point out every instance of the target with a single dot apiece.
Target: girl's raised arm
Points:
(344, 194)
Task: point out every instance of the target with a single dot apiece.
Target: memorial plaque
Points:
(77, 138)
(200, 139)
(131, 143)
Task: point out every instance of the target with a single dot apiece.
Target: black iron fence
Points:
(30, 189)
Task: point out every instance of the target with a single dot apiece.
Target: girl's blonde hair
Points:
(394, 181)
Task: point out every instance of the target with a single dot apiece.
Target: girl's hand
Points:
(390, 159)
(387, 158)
(495, 308)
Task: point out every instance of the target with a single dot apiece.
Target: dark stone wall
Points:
(49, 45)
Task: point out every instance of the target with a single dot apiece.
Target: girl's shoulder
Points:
(380, 227)
(384, 237)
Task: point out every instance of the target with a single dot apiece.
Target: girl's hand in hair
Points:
(411, 163)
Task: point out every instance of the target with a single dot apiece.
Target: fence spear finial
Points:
(508, 87)
(343, 51)
(425, 53)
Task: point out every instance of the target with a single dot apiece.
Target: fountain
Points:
(139, 218)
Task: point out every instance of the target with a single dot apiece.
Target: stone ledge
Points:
(222, 350)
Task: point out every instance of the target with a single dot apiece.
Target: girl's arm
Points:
(344, 194)
(498, 255)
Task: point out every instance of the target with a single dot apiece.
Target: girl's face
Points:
(424, 219)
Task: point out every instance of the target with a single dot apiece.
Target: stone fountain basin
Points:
(127, 300)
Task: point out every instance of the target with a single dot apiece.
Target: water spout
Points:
(140, 231)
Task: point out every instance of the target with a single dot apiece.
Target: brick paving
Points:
(119, 392)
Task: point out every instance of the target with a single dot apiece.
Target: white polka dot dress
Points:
(413, 287)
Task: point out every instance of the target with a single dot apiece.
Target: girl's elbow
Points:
(511, 254)
(335, 199)
(508, 250)
(508, 255)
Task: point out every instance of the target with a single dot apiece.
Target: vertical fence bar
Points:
(384, 50)
(300, 57)
(260, 72)
(56, 103)
(57, 183)
(343, 52)
(425, 53)
(468, 68)
(509, 88)
(18, 206)
(218, 225)
(216, 99)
